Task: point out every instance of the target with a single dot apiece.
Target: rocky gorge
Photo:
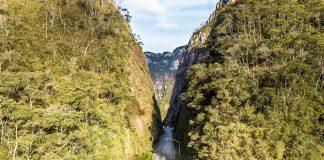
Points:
(163, 67)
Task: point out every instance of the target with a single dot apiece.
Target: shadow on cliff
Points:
(156, 122)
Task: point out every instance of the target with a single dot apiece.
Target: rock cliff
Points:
(163, 67)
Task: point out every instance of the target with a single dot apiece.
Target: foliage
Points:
(65, 82)
(259, 92)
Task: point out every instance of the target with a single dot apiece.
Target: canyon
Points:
(76, 84)
(163, 67)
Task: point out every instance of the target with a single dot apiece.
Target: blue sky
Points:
(166, 24)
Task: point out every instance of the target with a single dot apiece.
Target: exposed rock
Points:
(163, 67)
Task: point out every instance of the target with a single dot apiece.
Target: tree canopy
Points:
(259, 92)
(66, 86)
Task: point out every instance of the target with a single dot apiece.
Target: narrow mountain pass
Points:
(163, 68)
(186, 57)
(244, 92)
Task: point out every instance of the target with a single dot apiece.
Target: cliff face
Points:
(74, 83)
(163, 67)
(192, 55)
(250, 85)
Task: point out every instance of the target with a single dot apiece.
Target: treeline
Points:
(259, 92)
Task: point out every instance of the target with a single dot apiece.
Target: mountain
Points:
(165, 62)
(250, 85)
(163, 67)
(74, 83)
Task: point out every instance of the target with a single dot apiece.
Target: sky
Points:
(164, 25)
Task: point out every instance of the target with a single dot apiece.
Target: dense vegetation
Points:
(74, 83)
(259, 92)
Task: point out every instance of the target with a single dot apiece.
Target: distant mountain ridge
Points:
(164, 62)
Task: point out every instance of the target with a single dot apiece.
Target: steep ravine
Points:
(163, 67)
(192, 54)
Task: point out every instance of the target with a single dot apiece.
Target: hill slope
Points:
(257, 90)
(74, 83)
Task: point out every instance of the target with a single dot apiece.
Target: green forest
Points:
(69, 82)
(75, 83)
(258, 93)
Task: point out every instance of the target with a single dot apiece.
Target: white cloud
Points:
(149, 9)
(170, 21)
(161, 10)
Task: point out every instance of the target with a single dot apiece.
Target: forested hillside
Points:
(74, 83)
(258, 91)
